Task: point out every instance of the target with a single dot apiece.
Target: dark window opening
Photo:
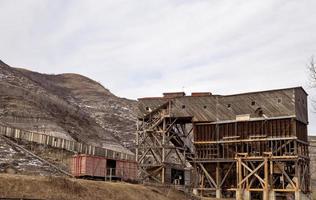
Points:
(183, 106)
(110, 167)
(259, 112)
(147, 108)
(204, 107)
(253, 103)
(177, 176)
(228, 105)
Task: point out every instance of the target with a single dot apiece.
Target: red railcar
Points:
(95, 167)
(126, 169)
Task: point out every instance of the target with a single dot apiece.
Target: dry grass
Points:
(19, 186)
(313, 192)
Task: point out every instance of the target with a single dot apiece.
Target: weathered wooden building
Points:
(244, 146)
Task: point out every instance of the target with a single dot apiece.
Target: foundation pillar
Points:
(266, 192)
(271, 195)
(242, 195)
(218, 193)
(218, 181)
(297, 195)
(246, 195)
(239, 191)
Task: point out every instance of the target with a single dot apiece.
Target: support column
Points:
(298, 181)
(271, 188)
(266, 179)
(246, 195)
(239, 191)
(202, 184)
(271, 195)
(163, 151)
(218, 181)
(163, 175)
(297, 195)
(137, 139)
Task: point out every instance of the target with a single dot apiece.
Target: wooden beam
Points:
(226, 174)
(286, 175)
(208, 176)
(252, 172)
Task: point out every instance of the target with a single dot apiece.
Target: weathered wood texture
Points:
(246, 146)
(290, 102)
(73, 146)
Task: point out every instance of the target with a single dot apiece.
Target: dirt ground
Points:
(60, 188)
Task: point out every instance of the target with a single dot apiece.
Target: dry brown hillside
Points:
(66, 105)
(58, 188)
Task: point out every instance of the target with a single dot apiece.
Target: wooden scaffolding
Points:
(259, 166)
(160, 143)
(245, 146)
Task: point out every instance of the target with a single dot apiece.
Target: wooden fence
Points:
(56, 142)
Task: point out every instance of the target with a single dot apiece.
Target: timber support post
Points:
(160, 145)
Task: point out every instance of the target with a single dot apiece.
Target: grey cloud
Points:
(143, 48)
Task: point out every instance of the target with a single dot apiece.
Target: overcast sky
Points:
(143, 48)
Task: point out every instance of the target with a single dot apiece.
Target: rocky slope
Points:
(66, 105)
(13, 160)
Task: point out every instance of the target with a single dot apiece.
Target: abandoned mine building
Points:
(243, 146)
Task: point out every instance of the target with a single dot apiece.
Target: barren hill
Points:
(66, 105)
(36, 187)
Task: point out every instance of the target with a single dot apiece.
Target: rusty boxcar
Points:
(102, 168)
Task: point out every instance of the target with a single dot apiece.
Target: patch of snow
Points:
(125, 108)
(2, 76)
(35, 163)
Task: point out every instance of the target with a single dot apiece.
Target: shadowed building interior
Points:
(244, 146)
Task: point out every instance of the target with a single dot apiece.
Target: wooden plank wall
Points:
(73, 146)
(247, 129)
